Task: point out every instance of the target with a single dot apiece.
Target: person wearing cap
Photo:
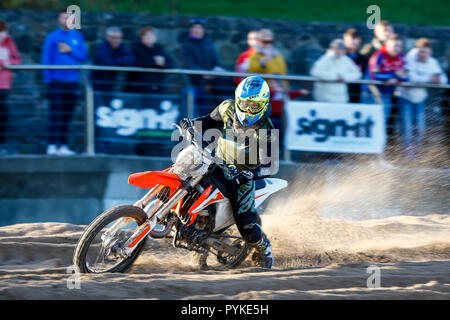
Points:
(334, 65)
(198, 53)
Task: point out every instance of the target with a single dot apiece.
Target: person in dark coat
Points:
(352, 41)
(110, 52)
(198, 53)
(148, 54)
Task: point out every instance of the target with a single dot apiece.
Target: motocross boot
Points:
(263, 253)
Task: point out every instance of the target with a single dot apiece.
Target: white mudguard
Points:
(224, 213)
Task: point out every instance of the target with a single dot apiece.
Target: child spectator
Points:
(9, 55)
(148, 54)
(334, 65)
(352, 41)
(421, 68)
(110, 52)
(62, 47)
(388, 65)
(243, 61)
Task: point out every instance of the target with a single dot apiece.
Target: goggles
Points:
(250, 106)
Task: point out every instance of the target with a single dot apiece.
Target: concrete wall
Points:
(77, 189)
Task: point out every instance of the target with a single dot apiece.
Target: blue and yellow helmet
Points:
(252, 100)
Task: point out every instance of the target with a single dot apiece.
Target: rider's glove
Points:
(245, 176)
(239, 176)
(186, 123)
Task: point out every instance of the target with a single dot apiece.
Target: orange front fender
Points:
(149, 179)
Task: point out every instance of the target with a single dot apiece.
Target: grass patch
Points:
(430, 12)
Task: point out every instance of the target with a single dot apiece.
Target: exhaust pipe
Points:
(161, 234)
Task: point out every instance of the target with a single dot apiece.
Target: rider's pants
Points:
(242, 198)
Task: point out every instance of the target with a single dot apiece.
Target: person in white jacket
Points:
(334, 65)
(421, 68)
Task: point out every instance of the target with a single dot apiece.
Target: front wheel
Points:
(95, 254)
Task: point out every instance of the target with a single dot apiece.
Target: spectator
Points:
(334, 65)
(387, 64)
(148, 54)
(352, 41)
(62, 47)
(268, 59)
(382, 31)
(422, 68)
(243, 61)
(198, 53)
(9, 55)
(110, 52)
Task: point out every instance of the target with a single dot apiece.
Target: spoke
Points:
(100, 255)
(103, 255)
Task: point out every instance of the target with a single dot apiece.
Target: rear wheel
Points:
(215, 259)
(96, 255)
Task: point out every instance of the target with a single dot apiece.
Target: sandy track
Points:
(327, 260)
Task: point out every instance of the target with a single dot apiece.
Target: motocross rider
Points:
(250, 110)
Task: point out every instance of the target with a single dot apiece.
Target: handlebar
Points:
(204, 150)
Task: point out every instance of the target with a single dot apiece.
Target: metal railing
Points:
(184, 76)
(219, 74)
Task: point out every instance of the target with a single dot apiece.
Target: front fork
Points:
(143, 203)
(154, 212)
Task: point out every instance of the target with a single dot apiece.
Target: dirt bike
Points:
(184, 204)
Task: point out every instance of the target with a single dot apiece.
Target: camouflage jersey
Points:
(244, 147)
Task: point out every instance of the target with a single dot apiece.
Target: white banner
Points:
(334, 127)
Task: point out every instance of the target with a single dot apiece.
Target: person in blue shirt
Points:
(110, 52)
(62, 47)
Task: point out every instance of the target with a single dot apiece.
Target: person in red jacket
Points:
(388, 65)
(9, 55)
(242, 62)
